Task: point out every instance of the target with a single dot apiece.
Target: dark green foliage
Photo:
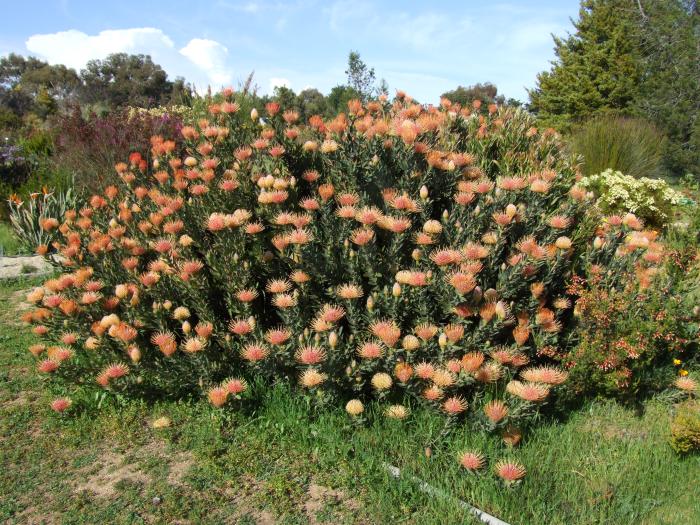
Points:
(487, 93)
(631, 145)
(127, 80)
(597, 68)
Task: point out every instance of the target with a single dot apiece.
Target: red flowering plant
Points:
(638, 325)
(395, 250)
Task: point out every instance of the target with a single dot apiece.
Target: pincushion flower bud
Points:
(416, 254)
(134, 354)
(563, 243)
(254, 115)
(410, 342)
(333, 339)
(597, 243)
(354, 407)
(185, 240)
(92, 343)
(396, 290)
(424, 192)
(370, 304)
(251, 322)
(442, 340)
(511, 210)
(167, 305)
(190, 162)
(121, 291)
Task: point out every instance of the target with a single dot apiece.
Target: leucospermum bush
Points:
(393, 252)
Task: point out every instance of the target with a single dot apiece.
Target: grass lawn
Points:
(9, 245)
(276, 464)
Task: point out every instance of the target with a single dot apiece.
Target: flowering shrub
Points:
(650, 199)
(394, 251)
(28, 217)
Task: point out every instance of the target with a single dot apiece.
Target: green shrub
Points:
(27, 218)
(632, 146)
(685, 428)
(393, 251)
(652, 200)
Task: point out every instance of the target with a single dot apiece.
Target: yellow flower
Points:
(676, 362)
(683, 373)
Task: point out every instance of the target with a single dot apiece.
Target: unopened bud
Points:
(254, 115)
(370, 304)
(186, 327)
(396, 290)
(442, 340)
(333, 339)
(423, 192)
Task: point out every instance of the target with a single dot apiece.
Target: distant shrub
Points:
(632, 146)
(89, 146)
(685, 428)
(649, 199)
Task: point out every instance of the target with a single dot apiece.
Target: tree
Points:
(125, 80)
(286, 97)
(338, 98)
(360, 77)
(31, 86)
(311, 102)
(596, 70)
(669, 34)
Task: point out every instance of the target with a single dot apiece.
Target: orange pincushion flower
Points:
(362, 236)
(521, 334)
(277, 336)
(310, 355)
(425, 370)
(454, 405)
(47, 366)
(247, 295)
(454, 332)
(510, 471)
(254, 352)
(116, 370)
(61, 404)
(532, 392)
(488, 373)
(235, 386)
(312, 378)
(331, 313)
(433, 393)
(471, 460)
(370, 350)
(686, 383)
(426, 331)
(192, 345)
(544, 374)
(443, 378)
(387, 331)
(472, 361)
(240, 326)
(403, 372)
(284, 300)
(496, 410)
(349, 291)
(278, 286)
(217, 396)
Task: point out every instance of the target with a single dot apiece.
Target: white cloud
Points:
(201, 61)
(210, 56)
(75, 48)
(279, 82)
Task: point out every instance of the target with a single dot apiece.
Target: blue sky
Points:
(424, 48)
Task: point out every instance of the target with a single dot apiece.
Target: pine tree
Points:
(596, 69)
